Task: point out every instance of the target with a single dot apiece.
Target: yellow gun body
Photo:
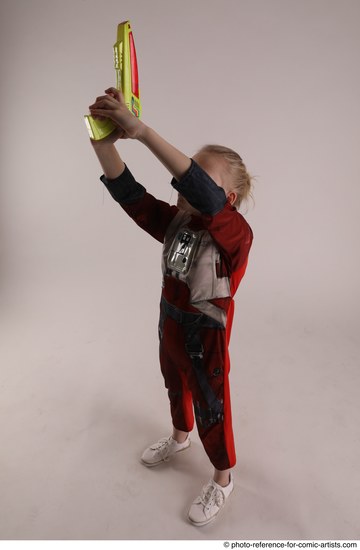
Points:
(127, 80)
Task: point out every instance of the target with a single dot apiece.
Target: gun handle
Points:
(99, 129)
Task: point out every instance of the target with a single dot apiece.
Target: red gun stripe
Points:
(134, 68)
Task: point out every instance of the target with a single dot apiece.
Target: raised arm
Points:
(112, 106)
(149, 213)
(109, 158)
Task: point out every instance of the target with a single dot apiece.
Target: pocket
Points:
(215, 375)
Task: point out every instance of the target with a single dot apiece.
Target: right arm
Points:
(149, 213)
(109, 158)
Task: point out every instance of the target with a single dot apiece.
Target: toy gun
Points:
(127, 80)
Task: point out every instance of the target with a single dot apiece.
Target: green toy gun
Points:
(127, 80)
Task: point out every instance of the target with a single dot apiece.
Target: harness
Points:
(191, 324)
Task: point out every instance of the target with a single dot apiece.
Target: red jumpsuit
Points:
(204, 259)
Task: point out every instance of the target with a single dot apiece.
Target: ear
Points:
(231, 197)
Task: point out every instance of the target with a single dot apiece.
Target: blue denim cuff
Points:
(124, 188)
(200, 190)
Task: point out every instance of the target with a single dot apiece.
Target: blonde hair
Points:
(240, 181)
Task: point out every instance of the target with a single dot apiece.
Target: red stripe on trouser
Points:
(184, 389)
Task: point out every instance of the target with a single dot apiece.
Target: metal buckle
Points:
(195, 350)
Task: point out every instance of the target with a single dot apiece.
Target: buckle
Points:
(195, 350)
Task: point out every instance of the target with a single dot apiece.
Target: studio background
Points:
(81, 390)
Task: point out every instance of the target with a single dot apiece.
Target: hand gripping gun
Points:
(127, 80)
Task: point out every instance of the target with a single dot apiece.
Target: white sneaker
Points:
(163, 450)
(206, 507)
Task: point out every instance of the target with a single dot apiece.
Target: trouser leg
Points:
(175, 376)
(211, 394)
(195, 365)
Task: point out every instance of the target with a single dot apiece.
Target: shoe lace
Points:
(211, 495)
(162, 447)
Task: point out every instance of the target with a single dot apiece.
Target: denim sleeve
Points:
(200, 190)
(124, 189)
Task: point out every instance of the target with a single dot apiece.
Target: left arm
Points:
(226, 225)
(174, 160)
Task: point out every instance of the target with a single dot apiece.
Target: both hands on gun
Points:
(113, 107)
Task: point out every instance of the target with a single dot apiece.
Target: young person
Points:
(206, 243)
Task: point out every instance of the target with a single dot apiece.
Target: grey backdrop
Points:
(81, 391)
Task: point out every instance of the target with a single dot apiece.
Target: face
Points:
(215, 169)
